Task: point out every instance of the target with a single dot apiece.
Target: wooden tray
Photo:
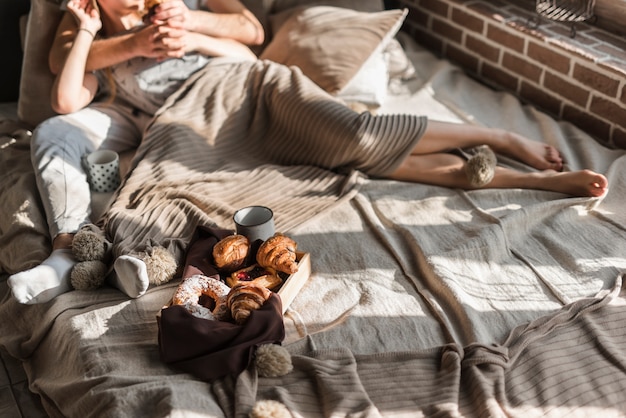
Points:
(294, 282)
(292, 285)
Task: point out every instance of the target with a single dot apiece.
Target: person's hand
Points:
(160, 42)
(87, 16)
(173, 13)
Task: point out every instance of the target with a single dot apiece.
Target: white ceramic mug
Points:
(256, 223)
(103, 170)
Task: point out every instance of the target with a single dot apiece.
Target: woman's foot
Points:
(583, 183)
(536, 154)
(46, 281)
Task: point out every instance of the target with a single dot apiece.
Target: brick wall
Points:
(580, 78)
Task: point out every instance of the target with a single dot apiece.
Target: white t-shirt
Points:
(144, 83)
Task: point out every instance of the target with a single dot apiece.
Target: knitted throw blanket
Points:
(240, 133)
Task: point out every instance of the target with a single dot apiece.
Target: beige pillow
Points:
(33, 105)
(330, 44)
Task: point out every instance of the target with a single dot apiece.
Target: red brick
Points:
(548, 57)
(436, 6)
(541, 98)
(446, 30)
(426, 39)
(462, 58)
(521, 66)
(588, 123)
(467, 20)
(505, 38)
(595, 80)
(612, 51)
(417, 16)
(499, 77)
(582, 39)
(482, 48)
(518, 15)
(487, 10)
(608, 110)
(565, 30)
(610, 39)
(614, 66)
(564, 88)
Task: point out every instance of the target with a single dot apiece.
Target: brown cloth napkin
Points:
(213, 349)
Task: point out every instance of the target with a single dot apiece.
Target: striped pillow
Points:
(331, 44)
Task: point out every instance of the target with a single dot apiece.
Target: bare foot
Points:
(536, 154)
(583, 183)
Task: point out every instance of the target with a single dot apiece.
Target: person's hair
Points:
(107, 71)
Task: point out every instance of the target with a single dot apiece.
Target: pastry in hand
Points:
(255, 274)
(278, 252)
(150, 5)
(230, 253)
(245, 298)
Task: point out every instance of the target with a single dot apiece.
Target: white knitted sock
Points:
(131, 276)
(46, 281)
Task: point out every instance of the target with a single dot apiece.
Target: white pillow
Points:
(369, 85)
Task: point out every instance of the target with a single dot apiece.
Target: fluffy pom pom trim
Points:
(273, 360)
(269, 409)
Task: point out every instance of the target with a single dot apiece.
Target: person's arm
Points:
(227, 19)
(152, 41)
(228, 29)
(74, 88)
(216, 47)
(106, 52)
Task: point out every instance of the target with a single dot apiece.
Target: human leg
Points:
(444, 136)
(371, 143)
(58, 146)
(447, 170)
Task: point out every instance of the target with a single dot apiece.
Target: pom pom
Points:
(480, 168)
(88, 275)
(269, 409)
(273, 360)
(90, 244)
(161, 265)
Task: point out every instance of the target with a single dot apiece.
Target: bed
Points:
(422, 300)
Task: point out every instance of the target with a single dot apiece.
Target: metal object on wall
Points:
(569, 11)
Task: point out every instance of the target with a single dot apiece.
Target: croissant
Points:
(278, 252)
(150, 5)
(230, 253)
(255, 274)
(245, 298)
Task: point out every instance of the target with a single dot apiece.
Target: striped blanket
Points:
(240, 133)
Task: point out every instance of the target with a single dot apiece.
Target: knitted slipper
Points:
(161, 265)
(92, 251)
(90, 244)
(481, 165)
(88, 275)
